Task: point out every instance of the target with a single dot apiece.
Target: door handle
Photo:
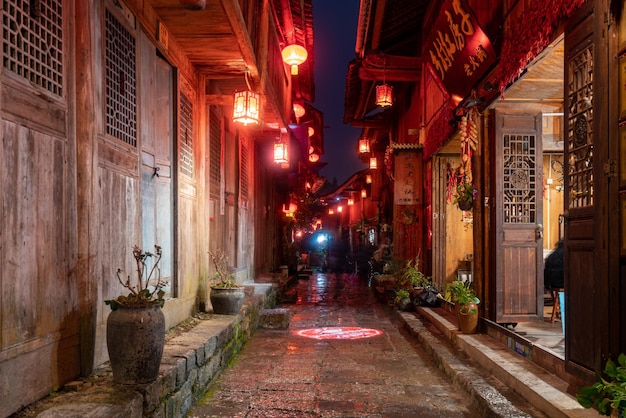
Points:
(539, 231)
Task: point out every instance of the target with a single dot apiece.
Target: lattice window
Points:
(186, 136)
(243, 175)
(121, 82)
(520, 179)
(32, 41)
(215, 146)
(580, 129)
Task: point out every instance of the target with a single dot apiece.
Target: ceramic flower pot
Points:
(465, 204)
(468, 318)
(135, 340)
(226, 301)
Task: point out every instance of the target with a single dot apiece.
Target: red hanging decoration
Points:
(530, 34)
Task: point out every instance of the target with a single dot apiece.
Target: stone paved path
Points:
(283, 374)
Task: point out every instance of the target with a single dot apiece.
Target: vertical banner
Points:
(408, 184)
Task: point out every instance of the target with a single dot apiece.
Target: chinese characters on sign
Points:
(458, 51)
(407, 185)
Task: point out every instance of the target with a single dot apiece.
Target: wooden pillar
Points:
(86, 169)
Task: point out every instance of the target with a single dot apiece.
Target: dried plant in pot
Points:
(226, 295)
(136, 325)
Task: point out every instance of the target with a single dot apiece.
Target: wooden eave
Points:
(216, 42)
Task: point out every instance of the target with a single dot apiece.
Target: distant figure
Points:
(553, 269)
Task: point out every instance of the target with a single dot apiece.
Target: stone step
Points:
(274, 318)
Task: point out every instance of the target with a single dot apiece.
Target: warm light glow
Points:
(314, 157)
(299, 234)
(338, 333)
(294, 55)
(373, 163)
(363, 193)
(331, 211)
(339, 209)
(246, 107)
(364, 146)
(350, 202)
(280, 153)
(298, 110)
(291, 209)
(384, 95)
(368, 178)
(311, 131)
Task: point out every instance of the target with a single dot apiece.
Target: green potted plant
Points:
(403, 300)
(226, 295)
(465, 195)
(411, 275)
(608, 393)
(136, 326)
(465, 303)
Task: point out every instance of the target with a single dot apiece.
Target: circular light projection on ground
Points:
(339, 333)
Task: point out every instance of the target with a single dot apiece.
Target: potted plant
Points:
(412, 277)
(403, 300)
(465, 303)
(608, 393)
(226, 296)
(136, 326)
(465, 195)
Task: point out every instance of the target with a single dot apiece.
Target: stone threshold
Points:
(193, 357)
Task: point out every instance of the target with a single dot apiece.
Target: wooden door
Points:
(519, 243)
(591, 194)
(157, 173)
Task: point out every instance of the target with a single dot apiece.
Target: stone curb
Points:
(490, 402)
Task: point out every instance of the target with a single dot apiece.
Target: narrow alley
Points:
(332, 362)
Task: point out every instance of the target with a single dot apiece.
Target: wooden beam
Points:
(219, 99)
(378, 74)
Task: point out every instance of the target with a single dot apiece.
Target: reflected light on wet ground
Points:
(338, 333)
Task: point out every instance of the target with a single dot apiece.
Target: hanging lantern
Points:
(314, 157)
(384, 95)
(246, 107)
(339, 209)
(364, 146)
(298, 110)
(311, 131)
(331, 211)
(373, 163)
(368, 178)
(280, 153)
(350, 202)
(294, 55)
(363, 193)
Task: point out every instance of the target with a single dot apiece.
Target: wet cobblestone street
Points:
(281, 373)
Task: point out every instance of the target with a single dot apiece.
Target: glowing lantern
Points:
(246, 107)
(373, 163)
(331, 211)
(384, 95)
(298, 110)
(314, 157)
(280, 153)
(339, 209)
(350, 202)
(368, 179)
(364, 146)
(363, 193)
(289, 211)
(311, 131)
(294, 55)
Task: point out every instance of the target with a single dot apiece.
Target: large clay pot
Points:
(135, 339)
(468, 318)
(227, 301)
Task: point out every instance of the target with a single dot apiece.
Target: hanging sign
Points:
(407, 185)
(457, 51)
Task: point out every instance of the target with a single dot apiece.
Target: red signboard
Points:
(458, 51)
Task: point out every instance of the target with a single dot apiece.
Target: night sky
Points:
(334, 28)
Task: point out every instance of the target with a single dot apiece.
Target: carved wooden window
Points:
(580, 129)
(186, 136)
(121, 82)
(215, 146)
(32, 42)
(520, 179)
(243, 175)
